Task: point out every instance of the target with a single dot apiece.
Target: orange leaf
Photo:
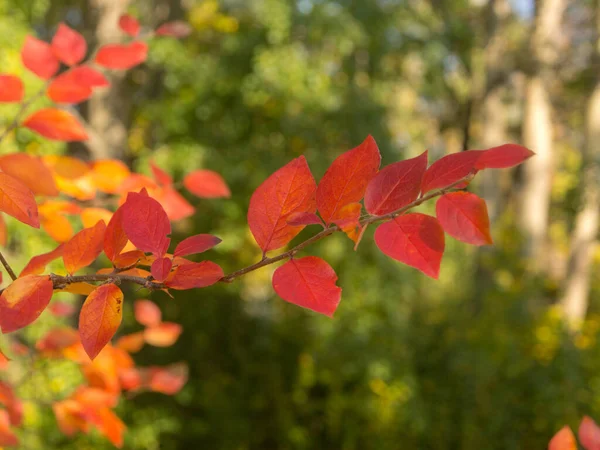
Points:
(109, 175)
(11, 89)
(168, 380)
(65, 89)
(206, 184)
(129, 25)
(164, 334)
(58, 227)
(23, 301)
(195, 275)
(31, 171)
(347, 178)
(289, 190)
(589, 434)
(56, 124)
(37, 56)
(563, 440)
(67, 166)
(110, 426)
(114, 237)
(174, 204)
(160, 175)
(122, 56)
(308, 282)
(147, 313)
(91, 216)
(78, 288)
(100, 318)
(84, 247)
(3, 231)
(7, 437)
(62, 309)
(68, 45)
(37, 264)
(56, 340)
(131, 343)
(18, 201)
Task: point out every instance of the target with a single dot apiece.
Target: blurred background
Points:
(499, 353)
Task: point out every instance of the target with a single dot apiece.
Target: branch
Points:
(60, 281)
(6, 265)
(334, 228)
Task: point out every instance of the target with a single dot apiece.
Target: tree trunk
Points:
(108, 110)
(538, 131)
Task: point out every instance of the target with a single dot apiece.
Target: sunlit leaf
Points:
(68, 45)
(163, 334)
(23, 301)
(83, 248)
(17, 200)
(56, 124)
(31, 171)
(122, 56)
(100, 318)
(38, 57)
(206, 184)
(146, 224)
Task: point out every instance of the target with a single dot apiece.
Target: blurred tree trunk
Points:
(538, 129)
(577, 281)
(108, 110)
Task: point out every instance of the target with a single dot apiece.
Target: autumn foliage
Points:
(46, 192)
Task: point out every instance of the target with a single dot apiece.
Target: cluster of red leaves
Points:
(290, 199)
(589, 437)
(77, 82)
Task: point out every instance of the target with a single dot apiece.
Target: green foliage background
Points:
(476, 360)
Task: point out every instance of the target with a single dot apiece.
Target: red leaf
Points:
(450, 169)
(589, 434)
(304, 218)
(37, 264)
(195, 275)
(18, 201)
(57, 339)
(86, 76)
(129, 25)
(83, 248)
(413, 239)
(122, 56)
(168, 380)
(503, 156)
(31, 171)
(56, 124)
(395, 185)
(65, 89)
(289, 190)
(68, 45)
(160, 175)
(464, 216)
(11, 89)
(160, 268)
(37, 56)
(23, 301)
(206, 184)
(147, 313)
(176, 29)
(114, 236)
(346, 179)
(563, 440)
(196, 244)
(7, 437)
(176, 207)
(100, 317)
(163, 334)
(146, 224)
(310, 283)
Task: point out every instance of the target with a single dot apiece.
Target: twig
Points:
(60, 281)
(6, 265)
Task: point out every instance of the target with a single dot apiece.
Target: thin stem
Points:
(26, 104)
(6, 265)
(60, 281)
